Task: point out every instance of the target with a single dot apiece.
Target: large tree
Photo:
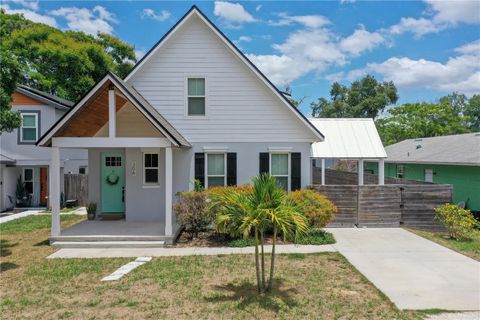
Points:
(64, 63)
(365, 98)
(453, 114)
(11, 74)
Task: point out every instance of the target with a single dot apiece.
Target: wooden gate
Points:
(76, 188)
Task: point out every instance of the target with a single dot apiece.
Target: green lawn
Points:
(64, 210)
(470, 248)
(306, 286)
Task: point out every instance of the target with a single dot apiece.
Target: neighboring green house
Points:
(451, 159)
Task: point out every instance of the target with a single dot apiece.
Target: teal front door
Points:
(113, 182)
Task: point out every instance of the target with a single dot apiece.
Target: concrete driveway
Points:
(413, 272)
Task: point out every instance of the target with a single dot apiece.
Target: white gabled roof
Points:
(353, 138)
(194, 11)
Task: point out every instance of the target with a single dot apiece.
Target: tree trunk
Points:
(257, 267)
(272, 259)
(262, 241)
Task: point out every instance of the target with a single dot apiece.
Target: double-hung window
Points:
(28, 180)
(29, 128)
(216, 169)
(280, 169)
(196, 96)
(150, 169)
(400, 171)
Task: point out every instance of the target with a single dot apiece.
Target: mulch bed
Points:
(214, 239)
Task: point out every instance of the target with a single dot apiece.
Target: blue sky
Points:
(428, 48)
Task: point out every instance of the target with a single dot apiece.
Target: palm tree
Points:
(264, 208)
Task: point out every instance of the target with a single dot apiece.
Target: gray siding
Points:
(31, 155)
(239, 106)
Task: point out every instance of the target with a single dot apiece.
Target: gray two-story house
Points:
(21, 161)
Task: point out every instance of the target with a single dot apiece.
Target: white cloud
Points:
(470, 48)
(98, 19)
(281, 70)
(244, 39)
(440, 15)
(232, 14)
(258, 8)
(31, 15)
(419, 27)
(460, 73)
(361, 40)
(162, 16)
(27, 4)
(139, 53)
(309, 21)
(454, 12)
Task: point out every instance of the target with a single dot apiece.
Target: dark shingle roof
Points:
(460, 149)
(34, 93)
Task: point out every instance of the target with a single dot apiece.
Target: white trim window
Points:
(196, 97)
(400, 171)
(29, 128)
(151, 169)
(280, 168)
(216, 173)
(28, 180)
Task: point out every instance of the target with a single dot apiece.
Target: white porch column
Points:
(54, 194)
(168, 191)
(323, 172)
(111, 113)
(381, 172)
(360, 172)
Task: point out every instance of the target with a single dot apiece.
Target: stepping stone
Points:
(127, 268)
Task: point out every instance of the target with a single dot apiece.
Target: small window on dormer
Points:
(196, 96)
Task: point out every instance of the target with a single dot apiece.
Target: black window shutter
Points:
(264, 162)
(231, 169)
(200, 168)
(296, 170)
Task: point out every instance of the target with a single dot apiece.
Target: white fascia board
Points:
(109, 142)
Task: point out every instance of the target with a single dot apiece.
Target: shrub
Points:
(316, 237)
(192, 212)
(459, 222)
(218, 201)
(242, 243)
(315, 207)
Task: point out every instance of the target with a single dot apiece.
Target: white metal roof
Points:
(352, 138)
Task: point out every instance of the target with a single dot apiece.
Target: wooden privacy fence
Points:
(76, 188)
(386, 206)
(337, 177)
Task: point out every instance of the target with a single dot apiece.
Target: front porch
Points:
(130, 151)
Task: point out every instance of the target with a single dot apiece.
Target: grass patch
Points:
(306, 286)
(31, 223)
(64, 210)
(316, 237)
(470, 248)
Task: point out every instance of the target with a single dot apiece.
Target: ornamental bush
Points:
(459, 222)
(192, 212)
(315, 207)
(217, 201)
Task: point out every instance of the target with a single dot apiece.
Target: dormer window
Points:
(196, 96)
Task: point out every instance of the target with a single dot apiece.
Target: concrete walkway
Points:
(19, 215)
(190, 251)
(413, 272)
